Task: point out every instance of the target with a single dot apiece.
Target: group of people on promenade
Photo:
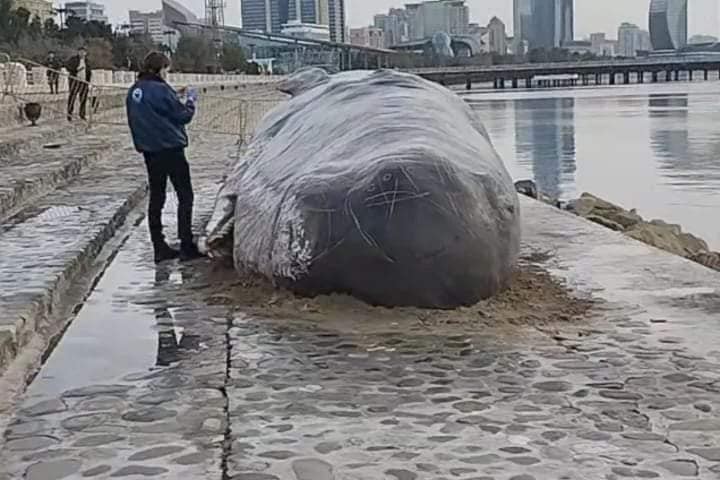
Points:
(80, 74)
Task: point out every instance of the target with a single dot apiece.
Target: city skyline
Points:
(590, 15)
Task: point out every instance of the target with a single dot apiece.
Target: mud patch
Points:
(535, 299)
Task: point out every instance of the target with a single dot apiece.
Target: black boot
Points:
(189, 251)
(163, 252)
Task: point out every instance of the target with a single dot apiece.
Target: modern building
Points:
(695, 39)
(272, 15)
(40, 8)
(497, 36)
(337, 20)
(148, 23)
(395, 26)
(368, 37)
(631, 40)
(430, 17)
(668, 21)
(601, 46)
(544, 23)
(88, 11)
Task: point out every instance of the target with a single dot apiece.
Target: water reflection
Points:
(687, 153)
(172, 339)
(545, 140)
(651, 147)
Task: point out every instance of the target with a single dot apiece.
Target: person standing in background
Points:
(157, 119)
(80, 75)
(53, 65)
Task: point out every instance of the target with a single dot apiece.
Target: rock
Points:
(667, 237)
(591, 206)
(52, 470)
(605, 222)
(707, 259)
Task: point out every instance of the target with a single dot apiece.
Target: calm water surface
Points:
(653, 147)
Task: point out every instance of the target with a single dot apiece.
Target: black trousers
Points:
(170, 164)
(77, 89)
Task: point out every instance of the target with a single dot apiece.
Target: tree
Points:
(233, 58)
(193, 54)
(35, 29)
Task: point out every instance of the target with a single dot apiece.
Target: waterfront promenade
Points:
(189, 371)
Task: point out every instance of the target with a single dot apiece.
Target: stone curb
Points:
(23, 191)
(31, 318)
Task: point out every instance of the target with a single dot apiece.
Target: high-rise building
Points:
(88, 11)
(544, 23)
(631, 40)
(668, 24)
(272, 15)
(40, 8)
(150, 23)
(497, 37)
(394, 25)
(428, 18)
(337, 20)
(264, 15)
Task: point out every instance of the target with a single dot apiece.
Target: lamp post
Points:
(61, 11)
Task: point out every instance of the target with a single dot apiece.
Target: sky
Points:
(590, 15)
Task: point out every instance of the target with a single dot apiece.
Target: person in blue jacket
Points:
(157, 119)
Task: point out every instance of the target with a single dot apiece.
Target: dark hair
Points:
(82, 49)
(154, 62)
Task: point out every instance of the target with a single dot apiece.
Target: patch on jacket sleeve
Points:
(137, 95)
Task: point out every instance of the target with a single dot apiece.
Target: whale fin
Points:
(303, 80)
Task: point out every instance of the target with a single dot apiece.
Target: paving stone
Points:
(312, 469)
(31, 443)
(52, 470)
(710, 454)
(681, 468)
(401, 474)
(45, 407)
(95, 471)
(139, 470)
(155, 452)
(149, 415)
(98, 440)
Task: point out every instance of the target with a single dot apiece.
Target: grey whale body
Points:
(374, 183)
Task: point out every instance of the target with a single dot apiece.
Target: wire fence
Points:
(33, 93)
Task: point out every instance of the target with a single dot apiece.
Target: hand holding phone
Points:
(192, 95)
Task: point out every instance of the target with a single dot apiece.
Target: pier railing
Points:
(231, 107)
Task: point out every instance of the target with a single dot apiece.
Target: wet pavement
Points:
(160, 375)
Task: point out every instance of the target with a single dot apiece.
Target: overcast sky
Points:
(590, 15)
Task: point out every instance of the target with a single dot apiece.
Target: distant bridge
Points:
(654, 68)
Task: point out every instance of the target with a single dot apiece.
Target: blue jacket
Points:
(156, 115)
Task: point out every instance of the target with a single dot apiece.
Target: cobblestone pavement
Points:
(160, 377)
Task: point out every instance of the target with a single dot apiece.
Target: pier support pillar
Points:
(528, 82)
(654, 77)
(640, 77)
(626, 78)
(690, 75)
(515, 83)
(598, 79)
(705, 74)
(612, 78)
(668, 76)
(676, 75)
(468, 84)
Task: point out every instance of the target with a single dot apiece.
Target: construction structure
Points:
(215, 19)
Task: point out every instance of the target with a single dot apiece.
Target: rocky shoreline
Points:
(657, 233)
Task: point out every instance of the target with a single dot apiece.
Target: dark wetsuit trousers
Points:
(161, 166)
